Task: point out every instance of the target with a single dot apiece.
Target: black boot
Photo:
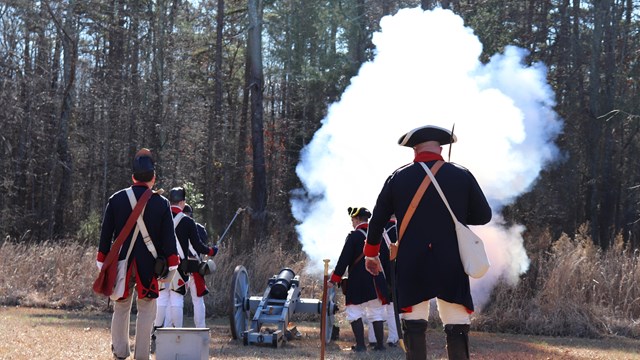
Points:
(152, 350)
(457, 341)
(358, 332)
(415, 339)
(378, 330)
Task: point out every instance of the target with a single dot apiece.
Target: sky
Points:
(427, 71)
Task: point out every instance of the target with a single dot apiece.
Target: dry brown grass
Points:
(572, 288)
(60, 275)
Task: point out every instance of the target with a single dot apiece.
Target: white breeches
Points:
(392, 336)
(372, 310)
(167, 297)
(450, 313)
(169, 309)
(199, 311)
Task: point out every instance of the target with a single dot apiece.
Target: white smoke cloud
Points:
(426, 70)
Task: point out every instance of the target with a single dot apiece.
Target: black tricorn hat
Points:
(427, 133)
(143, 162)
(177, 194)
(359, 212)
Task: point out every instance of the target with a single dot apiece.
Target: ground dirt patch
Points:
(30, 333)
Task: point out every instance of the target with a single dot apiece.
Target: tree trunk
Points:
(70, 48)
(215, 130)
(259, 184)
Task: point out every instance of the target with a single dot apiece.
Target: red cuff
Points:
(211, 252)
(101, 257)
(371, 250)
(173, 260)
(407, 309)
(335, 278)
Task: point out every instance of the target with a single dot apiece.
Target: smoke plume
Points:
(426, 70)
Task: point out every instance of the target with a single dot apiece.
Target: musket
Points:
(394, 298)
(323, 318)
(228, 226)
(451, 143)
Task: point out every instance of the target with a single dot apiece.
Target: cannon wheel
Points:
(330, 316)
(239, 312)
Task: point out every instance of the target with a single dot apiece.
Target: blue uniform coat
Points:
(187, 232)
(428, 263)
(363, 286)
(158, 220)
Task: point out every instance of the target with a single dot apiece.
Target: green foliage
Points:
(194, 197)
(89, 231)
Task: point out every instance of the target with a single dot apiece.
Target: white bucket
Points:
(182, 343)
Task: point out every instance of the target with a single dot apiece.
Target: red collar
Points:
(363, 226)
(427, 156)
(175, 209)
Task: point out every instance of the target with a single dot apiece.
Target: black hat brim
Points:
(427, 133)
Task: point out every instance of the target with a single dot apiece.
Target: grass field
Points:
(36, 333)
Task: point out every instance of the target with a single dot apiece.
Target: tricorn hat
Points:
(177, 194)
(143, 162)
(427, 133)
(359, 212)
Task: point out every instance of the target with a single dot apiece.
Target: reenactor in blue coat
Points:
(171, 301)
(197, 286)
(140, 259)
(428, 263)
(366, 295)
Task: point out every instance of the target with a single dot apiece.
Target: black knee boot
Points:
(457, 341)
(152, 349)
(358, 332)
(378, 330)
(415, 339)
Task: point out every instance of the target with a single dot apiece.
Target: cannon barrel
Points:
(280, 288)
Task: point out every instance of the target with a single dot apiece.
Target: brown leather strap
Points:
(126, 230)
(416, 200)
(356, 261)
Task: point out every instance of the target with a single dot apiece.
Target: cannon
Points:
(280, 300)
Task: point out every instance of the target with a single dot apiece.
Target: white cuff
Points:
(99, 264)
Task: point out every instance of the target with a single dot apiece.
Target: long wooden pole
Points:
(323, 317)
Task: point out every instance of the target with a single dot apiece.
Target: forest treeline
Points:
(227, 93)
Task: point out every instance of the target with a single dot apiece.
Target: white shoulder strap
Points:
(435, 183)
(176, 221)
(140, 226)
(385, 236)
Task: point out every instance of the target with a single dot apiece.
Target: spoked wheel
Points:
(330, 315)
(239, 312)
